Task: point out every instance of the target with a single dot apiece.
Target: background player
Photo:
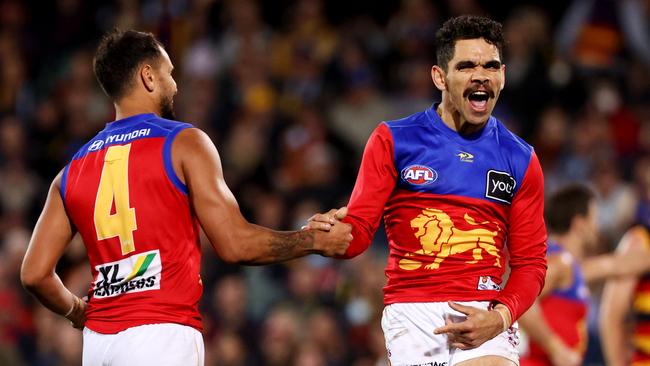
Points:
(453, 184)
(137, 193)
(557, 322)
(627, 296)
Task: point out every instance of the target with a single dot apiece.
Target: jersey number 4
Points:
(113, 215)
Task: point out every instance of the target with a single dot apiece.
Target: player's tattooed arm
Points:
(292, 244)
(286, 245)
(197, 163)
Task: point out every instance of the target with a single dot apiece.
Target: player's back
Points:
(133, 213)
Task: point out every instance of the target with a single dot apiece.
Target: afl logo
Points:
(96, 145)
(419, 175)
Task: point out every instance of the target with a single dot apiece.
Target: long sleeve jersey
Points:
(451, 206)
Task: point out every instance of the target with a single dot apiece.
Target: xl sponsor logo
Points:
(137, 273)
(500, 186)
(434, 363)
(419, 174)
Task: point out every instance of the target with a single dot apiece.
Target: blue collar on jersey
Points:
(132, 119)
(440, 125)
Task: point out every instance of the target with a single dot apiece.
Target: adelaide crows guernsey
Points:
(451, 203)
(133, 213)
(565, 312)
(641, 306)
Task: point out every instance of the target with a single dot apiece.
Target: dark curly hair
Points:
(118, 57)
(466, 27)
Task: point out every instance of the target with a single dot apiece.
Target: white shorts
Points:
(164, 344)
(408, 331)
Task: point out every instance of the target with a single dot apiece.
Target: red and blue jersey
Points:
(565, 311)
(451, 204)
(133, 214)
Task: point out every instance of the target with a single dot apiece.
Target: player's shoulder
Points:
(635, 240)
(414, 120)
(509, 141)
(168, 124)
(192, 141)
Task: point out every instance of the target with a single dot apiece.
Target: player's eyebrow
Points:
(466, 64)
(494, 64)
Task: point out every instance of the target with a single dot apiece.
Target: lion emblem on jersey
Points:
(440, 238)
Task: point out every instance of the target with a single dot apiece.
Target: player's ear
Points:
(503, 76)
(578, 223)
(147, 77)
(438, 77)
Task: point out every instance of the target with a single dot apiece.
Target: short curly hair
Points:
(466, 27)
(118, 57)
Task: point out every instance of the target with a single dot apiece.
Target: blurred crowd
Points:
(289, 91)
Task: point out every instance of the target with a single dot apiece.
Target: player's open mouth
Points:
(478, 100)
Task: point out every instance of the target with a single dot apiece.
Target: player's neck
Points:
(452, 118)
(570, 242)
(128, 107)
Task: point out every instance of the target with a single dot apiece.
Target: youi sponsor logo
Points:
(500, 186)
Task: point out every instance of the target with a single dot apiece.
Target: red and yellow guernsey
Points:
(455, 209)
(641, 306)
(133, 213)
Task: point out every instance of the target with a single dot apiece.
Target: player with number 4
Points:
(137, 193)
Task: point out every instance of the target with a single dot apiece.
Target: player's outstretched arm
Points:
(616, 302)
(614, 305)
(235, 240)
(629, 260)
(51, 236)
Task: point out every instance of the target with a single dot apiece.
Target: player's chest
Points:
(444, 167)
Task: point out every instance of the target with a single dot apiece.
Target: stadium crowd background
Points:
(289, 91)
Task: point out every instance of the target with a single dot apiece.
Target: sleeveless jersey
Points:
(450, 203)
(133, 213)
(565, 312)
(641, 310)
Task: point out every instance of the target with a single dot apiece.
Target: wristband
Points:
(75, 302)
(504, 320)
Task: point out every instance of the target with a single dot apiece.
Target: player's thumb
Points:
(341, 213)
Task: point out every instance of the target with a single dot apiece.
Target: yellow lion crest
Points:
(440, 239)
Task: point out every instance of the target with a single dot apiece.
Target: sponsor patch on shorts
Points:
(137, 273)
